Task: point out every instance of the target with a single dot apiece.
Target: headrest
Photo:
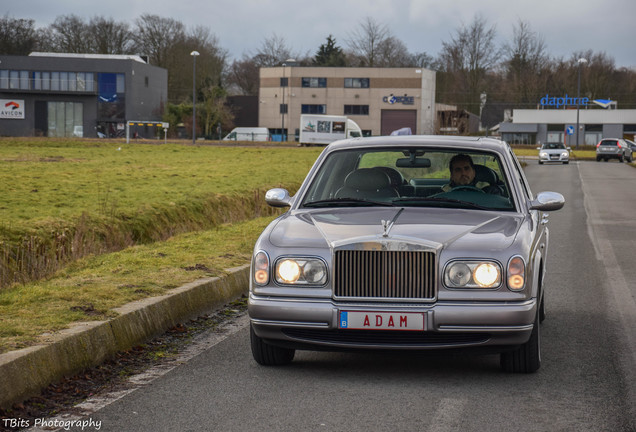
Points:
(367, 179)
(394, 175)
(485, 174)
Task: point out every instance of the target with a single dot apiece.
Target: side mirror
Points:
(547, 201)
(538, 148)
(278, 197)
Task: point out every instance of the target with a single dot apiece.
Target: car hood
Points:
(430, 227)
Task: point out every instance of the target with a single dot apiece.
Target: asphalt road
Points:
(586, 382)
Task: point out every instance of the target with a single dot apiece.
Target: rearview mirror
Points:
(413, 162)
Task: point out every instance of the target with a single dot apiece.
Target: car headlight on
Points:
(301, 271)
(543, 154)
(260, 268)
(564, 154)
(516, 274)
(472, 274)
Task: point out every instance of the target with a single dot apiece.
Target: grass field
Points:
(162, 215)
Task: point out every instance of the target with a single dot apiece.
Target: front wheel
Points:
(269, 355)
(526, 358)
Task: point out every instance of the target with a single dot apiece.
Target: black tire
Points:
(620, 159)
(542, 310)
(598, 159)
(540, 163)
(269, 355)
(526, 358)
(566, 162)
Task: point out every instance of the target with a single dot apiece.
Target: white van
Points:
(248, 134)
(325, 129)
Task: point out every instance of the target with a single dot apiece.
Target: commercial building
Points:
(555, 120)
(80, 95)
(379, 100)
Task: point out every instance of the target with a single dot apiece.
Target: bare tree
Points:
(392, 52)
(525, 64)
(70, 34)
(156, 36)
(109, 37)
(243, 77)
(272, 52)
(468, 57)
(364, 42)
(17, 36)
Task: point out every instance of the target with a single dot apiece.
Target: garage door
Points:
(397, 119)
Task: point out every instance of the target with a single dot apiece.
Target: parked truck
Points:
(324, 129)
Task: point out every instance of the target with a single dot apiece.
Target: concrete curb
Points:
(24, 373)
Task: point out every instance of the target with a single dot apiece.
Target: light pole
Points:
(578, 99)
(284, 84)
(194, 55)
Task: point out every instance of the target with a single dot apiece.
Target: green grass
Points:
(88, 289)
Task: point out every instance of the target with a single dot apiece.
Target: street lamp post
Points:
(578, 98)
(284, 108)
(194, 55)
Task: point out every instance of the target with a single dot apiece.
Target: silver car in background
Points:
(614, 148)
(377, 251)
(554, 152)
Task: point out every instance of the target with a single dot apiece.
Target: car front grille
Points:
(382, 275)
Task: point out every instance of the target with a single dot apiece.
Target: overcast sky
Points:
(566, 26)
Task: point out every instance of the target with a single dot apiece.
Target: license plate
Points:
(382, 320)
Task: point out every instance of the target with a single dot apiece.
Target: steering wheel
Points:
(468, 188)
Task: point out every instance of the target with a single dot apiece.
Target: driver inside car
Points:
(462, 173)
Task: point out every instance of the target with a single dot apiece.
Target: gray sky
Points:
(566, 26)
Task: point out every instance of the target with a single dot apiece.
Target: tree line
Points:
(474, 72)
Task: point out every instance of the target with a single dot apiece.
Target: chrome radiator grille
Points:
(385, 274)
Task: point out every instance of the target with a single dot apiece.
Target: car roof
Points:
(461, 142)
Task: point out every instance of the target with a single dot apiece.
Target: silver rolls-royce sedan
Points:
(405, 243)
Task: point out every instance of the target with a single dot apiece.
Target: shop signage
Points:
(566, 100)
(405, 100)
(11, 109)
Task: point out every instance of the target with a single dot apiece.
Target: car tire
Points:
(566, 162)
(598, 159)
(620, 159)
(269, 355)
(540, 163)
(542, 310)
(527, 357)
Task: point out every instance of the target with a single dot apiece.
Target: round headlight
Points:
(314, 272)
(459, 274)
(486, 275)
(288, 271)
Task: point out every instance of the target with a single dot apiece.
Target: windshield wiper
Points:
(423, 200)
(346, 202)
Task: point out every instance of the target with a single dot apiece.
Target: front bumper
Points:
(554, 158)
(313, 324)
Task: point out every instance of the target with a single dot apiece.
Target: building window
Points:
(66, 119)
(356, 109)
(283, 108)
(313, 109)
(314, 82)
(356, 82)
(146, 81)
(284, 82)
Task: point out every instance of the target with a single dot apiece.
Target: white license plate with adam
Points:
(357, 320)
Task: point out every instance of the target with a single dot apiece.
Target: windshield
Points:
(553, 146)
(410, 177)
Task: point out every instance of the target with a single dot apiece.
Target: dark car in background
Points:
(614, 148)
(380, 251)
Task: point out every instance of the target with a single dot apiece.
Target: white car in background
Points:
(554, 152)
